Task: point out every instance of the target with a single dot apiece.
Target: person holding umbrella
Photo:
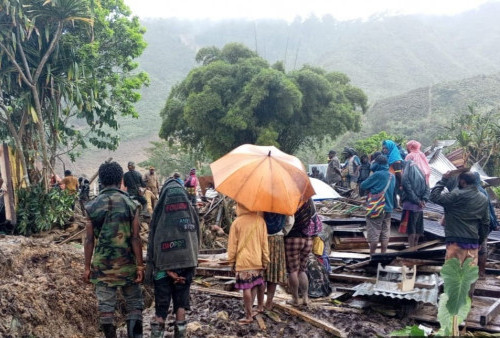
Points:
(248, 251)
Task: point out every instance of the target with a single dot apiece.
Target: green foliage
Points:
(236, 97)
(496, 190)
(168, 159)
(373, 143)
(455, 303)
(68, 69)
(38, 211)
(445, 318)
(457, 281)
(409, 331)
(478, 134)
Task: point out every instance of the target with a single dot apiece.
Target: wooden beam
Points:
(311, 320)
(358, 265)
(261, 322)
(423, 245)
(490, 313)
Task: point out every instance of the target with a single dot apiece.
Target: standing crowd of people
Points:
(264, 249)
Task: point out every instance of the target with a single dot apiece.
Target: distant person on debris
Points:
(380, 182)
(298, 246)
(248, 251)
(172, 256)
(333, 171)
(419, 158)
(414, 196)
(113, 245)
(191, 184)
(83, 193)
(70, 182)
(466, 216)
(391, 150)
(132, 180)
(151, 180)
(494, 225)
(352, 164)
(276, 269)
(317, 174)
(364, 173)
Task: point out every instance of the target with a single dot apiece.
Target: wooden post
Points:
(490, 313)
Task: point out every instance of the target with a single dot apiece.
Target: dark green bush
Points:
(39, 211)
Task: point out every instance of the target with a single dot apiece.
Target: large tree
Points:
(236, 97)
(67, 72)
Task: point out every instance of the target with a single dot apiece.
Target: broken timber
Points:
(311, 320)
(490, 313)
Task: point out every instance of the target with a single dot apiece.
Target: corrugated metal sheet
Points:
(420, 295)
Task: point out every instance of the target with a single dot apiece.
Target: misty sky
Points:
(289, 9)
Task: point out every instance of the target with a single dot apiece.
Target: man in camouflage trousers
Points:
(113, 245)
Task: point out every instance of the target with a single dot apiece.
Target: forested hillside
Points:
(423, 113)
(384, 56)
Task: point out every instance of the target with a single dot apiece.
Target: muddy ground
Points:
(42, 295)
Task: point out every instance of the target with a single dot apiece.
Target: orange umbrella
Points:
(262, 178)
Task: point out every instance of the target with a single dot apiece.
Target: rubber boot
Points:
(134, 328)
(109, 330)
(180, 329)
(157, 329)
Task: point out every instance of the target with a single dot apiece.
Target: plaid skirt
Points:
(276, 269)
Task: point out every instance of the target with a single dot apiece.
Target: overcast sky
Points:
(289, 9)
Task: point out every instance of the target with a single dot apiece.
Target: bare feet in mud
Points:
(245, 321)
(293, 302)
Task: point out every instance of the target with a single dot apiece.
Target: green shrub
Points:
(39, 211)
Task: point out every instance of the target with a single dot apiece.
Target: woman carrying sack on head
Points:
(248, 250)
(380, 204)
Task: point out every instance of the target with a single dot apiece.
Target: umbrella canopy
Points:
(323, 190)
(262, 178)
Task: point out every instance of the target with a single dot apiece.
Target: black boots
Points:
(180, 329)
(134, 328)
(157, 329)
(109, 330)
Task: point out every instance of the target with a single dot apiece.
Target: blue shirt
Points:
(376, 184)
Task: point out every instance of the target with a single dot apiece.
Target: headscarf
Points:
(393, 155)
(419, 158)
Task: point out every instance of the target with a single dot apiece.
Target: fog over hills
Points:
(384, 56)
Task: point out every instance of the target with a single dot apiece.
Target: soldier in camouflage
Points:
(113, 253)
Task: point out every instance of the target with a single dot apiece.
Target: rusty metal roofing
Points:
(420, 295)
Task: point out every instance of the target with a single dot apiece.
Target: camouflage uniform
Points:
(113, 261)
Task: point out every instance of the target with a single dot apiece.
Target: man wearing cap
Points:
(132, 180)
(151, 181)
(333, 170)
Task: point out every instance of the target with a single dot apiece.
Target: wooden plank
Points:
(358, 265)
(490, 313)
(261, 322)
(423, 245)
(415, 261)
(311, 320)
(348, 255)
